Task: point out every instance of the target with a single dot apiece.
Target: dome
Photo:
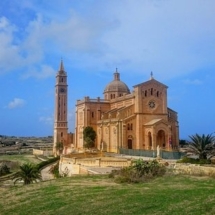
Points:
(116, 85)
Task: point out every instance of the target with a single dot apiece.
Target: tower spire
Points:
(61, 65)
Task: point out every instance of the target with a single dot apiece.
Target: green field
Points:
(25, 158)
(99, 195)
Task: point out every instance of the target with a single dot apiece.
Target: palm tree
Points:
(203, 146)
(28, 173)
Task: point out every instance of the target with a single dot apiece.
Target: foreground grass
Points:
(100, 195)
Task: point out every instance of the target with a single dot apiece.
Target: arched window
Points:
(157, 93)
(151, 91)
(131, 126)
(128, 126)
(145, 93)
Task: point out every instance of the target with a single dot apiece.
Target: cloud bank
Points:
(171, 38)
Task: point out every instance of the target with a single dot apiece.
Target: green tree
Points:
(28, 173)
(202, 146)
(59, 147)
(89, 137)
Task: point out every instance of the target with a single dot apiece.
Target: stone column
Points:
(124, 141)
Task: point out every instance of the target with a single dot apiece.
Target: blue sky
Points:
(174, 39)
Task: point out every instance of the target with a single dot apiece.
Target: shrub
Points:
(139, 171)
(4, 170)
(194, 161)
(55, 171)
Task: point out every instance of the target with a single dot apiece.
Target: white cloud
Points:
(9, 52)
(171, 38)
(45, 71)
(192, 82)
(47, 119)
(16, 103)
(3, 23)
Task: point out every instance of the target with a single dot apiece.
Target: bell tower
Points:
(60, 117)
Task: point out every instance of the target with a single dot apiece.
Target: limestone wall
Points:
(45, 152)
(193, 169)
(71, 166)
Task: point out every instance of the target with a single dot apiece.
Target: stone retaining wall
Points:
(193, 169)
(45, 152)
(78, 165)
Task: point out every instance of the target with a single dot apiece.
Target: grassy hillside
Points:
(98, 195)
(25, 158)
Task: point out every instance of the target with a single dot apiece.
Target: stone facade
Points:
(137, 120)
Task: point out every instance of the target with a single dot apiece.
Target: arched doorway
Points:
(130, 142)
(161, 139)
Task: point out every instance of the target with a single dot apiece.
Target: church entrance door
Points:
(161, 139)
(129, 143)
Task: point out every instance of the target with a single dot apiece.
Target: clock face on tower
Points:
(151, 104)
(62, 90)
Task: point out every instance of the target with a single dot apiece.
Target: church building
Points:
(134, 120)
(137, 119)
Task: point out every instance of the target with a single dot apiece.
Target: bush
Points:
(194, 161)
(139, 171)
(4, 170)
(55, 171)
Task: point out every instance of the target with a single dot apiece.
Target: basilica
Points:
(123, 118)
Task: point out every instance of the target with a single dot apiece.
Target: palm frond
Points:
(201, 145)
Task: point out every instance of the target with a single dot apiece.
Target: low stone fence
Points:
(44, 152)
(79, 165)
(193, 169)
(84, 155)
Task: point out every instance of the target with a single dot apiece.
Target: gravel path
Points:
(45, 174)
